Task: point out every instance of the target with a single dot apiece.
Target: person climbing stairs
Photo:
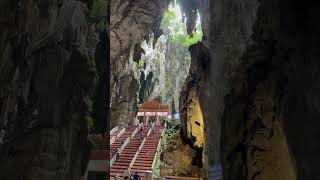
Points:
(127, 155)
(145, 157)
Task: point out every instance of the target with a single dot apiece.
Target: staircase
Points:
(117, 143)
(128, 153)
(145, 157)
(115, 133)
(182, 178)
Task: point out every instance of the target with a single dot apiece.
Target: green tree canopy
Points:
(173, 26)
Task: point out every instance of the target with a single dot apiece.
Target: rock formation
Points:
(177, 64)
(269, 120)
(167, 67)
(255, 75)
(47, 79)
(196, 88)
(186, 166)
(131, 23)
(192, 94)
(261, 120)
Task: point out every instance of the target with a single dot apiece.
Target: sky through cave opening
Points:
(163, 69)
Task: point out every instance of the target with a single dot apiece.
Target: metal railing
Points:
(113, 159)
(121, 132)
(158, 150)
(140, 147)
(117, 136)
(197, 176)
(113, 130)
(137, 153)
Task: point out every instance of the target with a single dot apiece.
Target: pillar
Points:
(147, 121)
(136, 121)
(148, 175)
(157, 120)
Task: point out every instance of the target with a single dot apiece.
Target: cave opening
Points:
(156, 50)
(162, 69)
(241, 85)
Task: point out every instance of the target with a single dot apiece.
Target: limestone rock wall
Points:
(152, 73)
(185, 167)
(193, 91)
(263, 76)
(231, 30)
(176, 69)
(131, 23)
(47, 76)
(197, 85)
(264, 71)
(167, 67)
(101, 112)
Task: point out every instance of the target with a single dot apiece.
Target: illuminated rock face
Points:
(260, 117)
(261, 142)
(194, 100)
(195, 124)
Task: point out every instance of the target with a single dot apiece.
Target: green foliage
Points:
(171, 119)
(88, 117)
(177, 30)
(169, 136)
(93, 72)
(98, 8)
(157, 61)
(92, 67)
(101, 26)
(89, 121)
(89, 104)
(168, 18)
(96, 14)
(169, 86)
(156, 169)
(140, 65)
(187, 41)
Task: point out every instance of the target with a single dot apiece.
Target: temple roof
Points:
(153, 106)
